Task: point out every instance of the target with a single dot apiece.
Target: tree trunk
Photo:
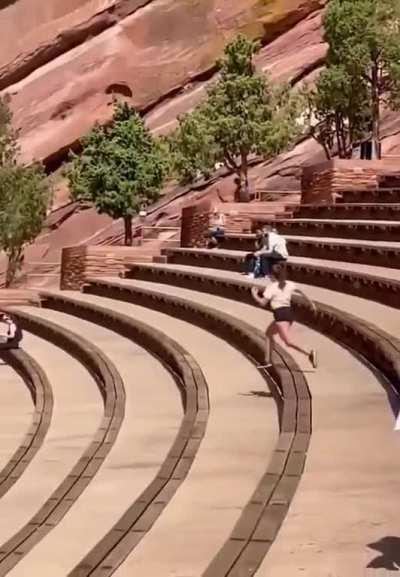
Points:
(244, 195)
(340, 136)
(128, 230)
(13, 264)
(376, 152)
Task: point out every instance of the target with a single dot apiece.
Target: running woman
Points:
(278, 295)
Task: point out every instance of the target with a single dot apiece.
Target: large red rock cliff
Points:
(61, 61)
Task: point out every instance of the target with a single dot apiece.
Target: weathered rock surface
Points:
(82, 52)
(61, 62)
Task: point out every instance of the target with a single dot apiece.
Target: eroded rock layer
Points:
(62, 61)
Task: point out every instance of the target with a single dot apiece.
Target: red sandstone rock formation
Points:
(61, 61)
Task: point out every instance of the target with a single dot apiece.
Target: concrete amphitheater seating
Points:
(148, 441)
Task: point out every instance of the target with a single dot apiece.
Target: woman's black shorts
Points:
(283, 314)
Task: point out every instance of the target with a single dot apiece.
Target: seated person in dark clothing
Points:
(12, 335)
(253, 260)
(271, 249)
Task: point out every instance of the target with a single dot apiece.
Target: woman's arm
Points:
(307, 299)
(256, 296)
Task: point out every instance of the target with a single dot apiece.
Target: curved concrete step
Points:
(350, 211)
(371, 270)
(376, 283)
(356, 221)
(39, 389)
(11, 297)
(375, 253)
(378, 271)
(385, 194)
(385, 317)
(350, 411)
(371, 253)
(16, 412)
(77, 413)
(386, 230)
(346, 241)
(152, 417)
(231, 459)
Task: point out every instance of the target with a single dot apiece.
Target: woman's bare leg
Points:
(283, 329)
(269, 342)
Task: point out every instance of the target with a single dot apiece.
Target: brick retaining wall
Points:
(195, 224)
(320, 182)
(238, 218)
(80, 262)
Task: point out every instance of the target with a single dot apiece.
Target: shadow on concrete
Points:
(389, 554)
(263, 394)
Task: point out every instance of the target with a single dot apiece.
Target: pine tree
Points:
(364, 39)
(24, 197)
(8, 137)
(338, 111)
(121, 167)
(244, 115)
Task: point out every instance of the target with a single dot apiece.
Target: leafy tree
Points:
(24, 197)
(244, 115)
(339, 115)
(364, 38)
(8, 139)
(120, 168)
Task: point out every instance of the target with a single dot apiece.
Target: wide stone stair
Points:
(141, 436)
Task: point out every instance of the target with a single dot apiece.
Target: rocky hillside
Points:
(61, 61)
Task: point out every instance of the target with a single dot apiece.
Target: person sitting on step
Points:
(272, 249)
(216, 231)
(11, 336)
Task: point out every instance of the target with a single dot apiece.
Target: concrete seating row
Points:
(144, 500)
(374, 284)
(389, 193)
(375, 253)
(350, 211)
(40, 391)
(176, 289)
(45, 493)
(61, 547)
(375, 230)
(327, 319)
(268, 504)
(54, 521)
